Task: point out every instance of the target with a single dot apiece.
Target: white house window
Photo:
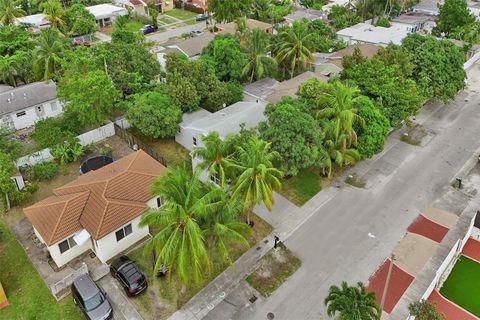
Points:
(159, 202)
(66, 244)
(194, 141)
(125, 231)
(53, 105)
(21, 114)
(215, 178)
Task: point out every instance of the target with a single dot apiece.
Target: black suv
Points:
(91, 299)
(148, 29)
(126, 271)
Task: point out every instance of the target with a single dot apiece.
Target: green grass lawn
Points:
(181, 14)
(28, 295)
(303, 187)
(462, 286)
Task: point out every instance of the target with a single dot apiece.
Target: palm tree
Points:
(341, 111)
(54, 12)
(9, 11)
(50, 46)
(352, 303)
(221, 228)
(215, 157)
(259, 62)
(260, 9)
(242, 30)
(295, 48)
(257, 175)
(179, 245)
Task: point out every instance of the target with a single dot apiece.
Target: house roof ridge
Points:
(134, 159)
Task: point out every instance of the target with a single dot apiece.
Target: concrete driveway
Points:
(123, 309)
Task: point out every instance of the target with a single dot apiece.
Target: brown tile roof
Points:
(100, 201)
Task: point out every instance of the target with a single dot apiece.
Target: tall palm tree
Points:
(9, 11)
(295, 47)
(259, 61)
(216, 157)
(221, 228)
(257, 176)
(50, 46)
(179, 245)
(54, 12)
(341, 111)
(352, 303)
(260, 9)
(241, 30)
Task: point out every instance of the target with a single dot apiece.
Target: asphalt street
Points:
(333, 243)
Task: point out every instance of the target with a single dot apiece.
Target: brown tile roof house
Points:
(100, 201)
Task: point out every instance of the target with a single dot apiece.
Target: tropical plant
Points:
(44, 170)
(9, 11)
(50, 46)
(352, 303)
(70, 150)
(179, 245)
(257, 176)
(7, 170)
(259, 62)
(216, 157)
(425, 310)
(54, 12)
(229, 10)
(295, 47)
(341, 111)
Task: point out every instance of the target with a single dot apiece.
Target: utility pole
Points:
(387, 282)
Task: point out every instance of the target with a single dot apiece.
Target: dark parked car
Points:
(201, 17)
(91, 299)
(126, 271)
(148, 29)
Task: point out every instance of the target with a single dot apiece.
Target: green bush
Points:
(20, 197)
(383, 22)
(53, 131)
(44, 170)
(67, 152)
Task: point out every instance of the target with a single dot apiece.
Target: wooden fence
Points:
(134, 141)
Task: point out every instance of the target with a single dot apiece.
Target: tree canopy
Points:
(79, 21)
(453, 16)
(154, 115)
(229, 10)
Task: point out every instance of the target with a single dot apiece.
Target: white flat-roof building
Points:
(106, 13)
(367, 33)
(34, 21)
(414, 22)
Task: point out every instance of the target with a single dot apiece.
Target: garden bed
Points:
(273, 270)
(164, 295)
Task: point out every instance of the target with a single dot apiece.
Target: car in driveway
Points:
(196, 33)
(201, 17)
(130, 277)
(91, 299)
(146, 29)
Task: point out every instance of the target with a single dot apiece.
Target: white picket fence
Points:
(86, 138)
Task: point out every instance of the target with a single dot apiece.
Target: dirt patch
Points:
(273, 270)
(418, 136)
(355, 181)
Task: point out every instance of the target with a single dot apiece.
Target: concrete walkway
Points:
(123, 309)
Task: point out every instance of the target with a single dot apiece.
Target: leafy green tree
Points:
(340, 110)
(324, 39)
(153, 12)
(14, 39)
(54, 13)
(454, 14)
(398, 57)
(179, 243)
(425, 310)
(183, 92)
(352, 303)
(223, 53)
(399, 97)
(314, 4)
(259, 63)
(257, 176)
(229, 10)
(438, 65)
(342, 17)
(50, 46)
(372, 136)
(54, 130)
(295, 47)
(79, 20)
(8, 144)
(9, 11)
(293, 134)
(7, 170)
(312, 92)
(221, 94)
(90, 96)
(216, 157)
(154, 115)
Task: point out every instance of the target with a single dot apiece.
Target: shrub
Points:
(383, 22)
(67, 152)
(20, 197)
(44, 170)
(53, 131)
(106, 150)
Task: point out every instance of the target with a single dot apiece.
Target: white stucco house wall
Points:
(414, 22)
(23, 106)
(227, 121)
(35, 21)
(100, 211)
(105, 14)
